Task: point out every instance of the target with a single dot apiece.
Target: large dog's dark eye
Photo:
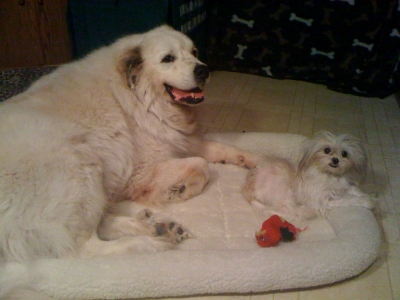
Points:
(344, 153)
(195, 52)
(168, 58)
(327, 150)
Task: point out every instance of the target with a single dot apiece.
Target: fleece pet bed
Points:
(223, 256)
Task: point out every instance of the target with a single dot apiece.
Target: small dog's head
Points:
(337, 155)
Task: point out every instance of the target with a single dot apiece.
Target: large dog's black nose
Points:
(335, 161)
(201, 72)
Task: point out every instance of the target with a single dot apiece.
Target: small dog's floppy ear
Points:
(357, 155)
(308, 149)
(131, 64)
(361, 166)
(305, 154)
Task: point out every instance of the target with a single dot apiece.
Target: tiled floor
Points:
(240, 102)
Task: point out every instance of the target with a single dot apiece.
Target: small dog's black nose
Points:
(201, 72)
(335, 161)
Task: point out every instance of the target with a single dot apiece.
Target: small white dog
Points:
(328, 175)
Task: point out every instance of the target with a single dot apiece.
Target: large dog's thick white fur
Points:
(119, 124)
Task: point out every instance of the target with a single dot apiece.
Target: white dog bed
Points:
(224, 257)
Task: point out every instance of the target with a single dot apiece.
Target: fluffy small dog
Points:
(328, 175)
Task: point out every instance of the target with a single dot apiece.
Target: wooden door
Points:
(33, 33)
(53, 30)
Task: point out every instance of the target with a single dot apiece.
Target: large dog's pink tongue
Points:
(181, 94)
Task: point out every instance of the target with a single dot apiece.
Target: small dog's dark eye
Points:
(344, 153)
(327, 150)
(168, 58)
(195, 53)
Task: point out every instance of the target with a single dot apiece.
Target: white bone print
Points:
(239, 55)
(395, 33)
(267, 70)
(293, 17)
(354, 88)
(249, 23)
(330, 55)
(356, 43)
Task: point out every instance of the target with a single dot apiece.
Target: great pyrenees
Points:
(117, 125)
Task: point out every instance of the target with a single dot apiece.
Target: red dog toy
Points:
(274, 230)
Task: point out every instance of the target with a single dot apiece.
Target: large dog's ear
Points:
(130, 66)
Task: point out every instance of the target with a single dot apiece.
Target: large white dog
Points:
(119, 124)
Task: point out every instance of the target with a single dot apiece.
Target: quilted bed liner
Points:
(223, 257)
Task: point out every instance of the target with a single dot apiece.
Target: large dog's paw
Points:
(190, 187)
(172, 231)
(217, 152)
(250, 160)
(243, 159)
(162, 227)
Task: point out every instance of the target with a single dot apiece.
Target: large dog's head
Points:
(163, 63)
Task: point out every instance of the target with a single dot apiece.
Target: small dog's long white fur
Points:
(328, 174)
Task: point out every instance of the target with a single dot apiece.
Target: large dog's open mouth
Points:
(193, 96)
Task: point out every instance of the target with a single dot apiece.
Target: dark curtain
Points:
(95, 23)
(350, 46)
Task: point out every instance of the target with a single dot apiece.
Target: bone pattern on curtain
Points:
(350, 46)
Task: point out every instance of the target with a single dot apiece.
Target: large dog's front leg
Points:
(226, 154)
